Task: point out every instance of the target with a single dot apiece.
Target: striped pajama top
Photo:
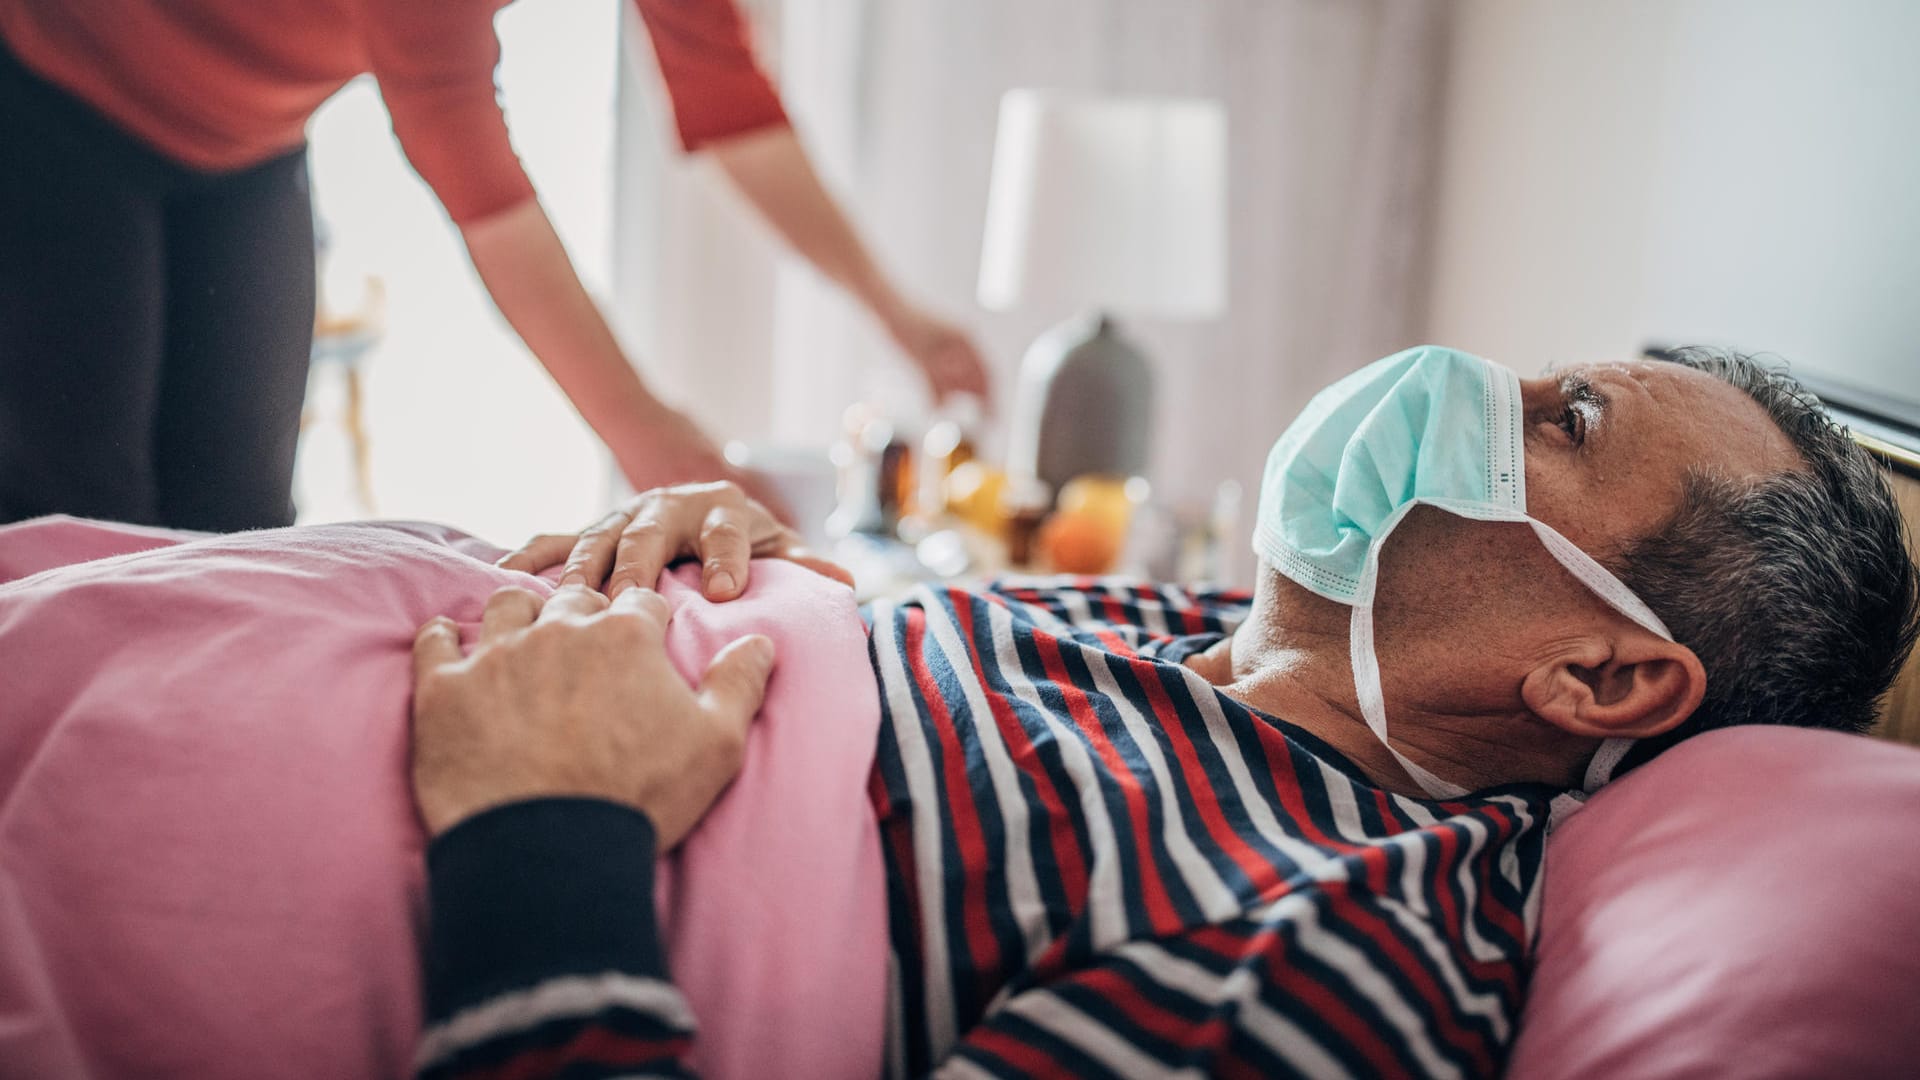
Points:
(1098, 866)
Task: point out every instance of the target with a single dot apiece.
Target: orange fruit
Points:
(1079, 542)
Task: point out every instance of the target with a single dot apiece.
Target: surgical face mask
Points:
(1426, 427)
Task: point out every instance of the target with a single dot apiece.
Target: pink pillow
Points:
(1745, 905)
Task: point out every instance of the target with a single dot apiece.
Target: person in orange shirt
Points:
(156, 237)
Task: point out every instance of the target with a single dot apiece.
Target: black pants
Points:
(155, 323)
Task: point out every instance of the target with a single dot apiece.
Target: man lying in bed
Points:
(1136, 830)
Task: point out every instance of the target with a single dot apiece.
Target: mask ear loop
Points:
(1366, 664)
(1598, 578)
(1604, 761)
(1622, 599)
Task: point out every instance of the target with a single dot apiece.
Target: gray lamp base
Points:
(1084, 405)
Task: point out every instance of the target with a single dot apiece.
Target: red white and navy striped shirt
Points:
(1098, 865)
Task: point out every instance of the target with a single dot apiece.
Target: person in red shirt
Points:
(156, 237)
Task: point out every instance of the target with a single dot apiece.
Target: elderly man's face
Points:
(1608, 451)
(1609, 446)
(1470, 614)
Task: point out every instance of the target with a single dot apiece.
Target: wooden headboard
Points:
(1889, 427)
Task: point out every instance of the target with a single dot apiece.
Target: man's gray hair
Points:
(1795, 591)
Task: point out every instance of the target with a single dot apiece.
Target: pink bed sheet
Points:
(209, 860)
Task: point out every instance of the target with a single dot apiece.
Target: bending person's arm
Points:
(772, 170)
(724, 104)
(435, 65)
(550, 766)
(531, 280)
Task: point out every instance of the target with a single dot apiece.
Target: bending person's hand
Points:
(719, 524)
(576, 697)
(943, 352)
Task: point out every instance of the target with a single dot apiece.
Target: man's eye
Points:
(1573, 421)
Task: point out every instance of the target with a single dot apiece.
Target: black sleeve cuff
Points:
(532, 890)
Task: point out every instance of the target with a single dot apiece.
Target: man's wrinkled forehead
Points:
(1714, 424)
(1611, 446)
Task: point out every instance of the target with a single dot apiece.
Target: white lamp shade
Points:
(1107, 203)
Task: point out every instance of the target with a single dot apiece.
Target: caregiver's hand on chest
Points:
(576, 697)
(718, 523)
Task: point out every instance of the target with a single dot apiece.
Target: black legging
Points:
(155, 323)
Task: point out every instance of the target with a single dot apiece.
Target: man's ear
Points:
(1623, 683)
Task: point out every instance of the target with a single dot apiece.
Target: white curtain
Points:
(1332, 110)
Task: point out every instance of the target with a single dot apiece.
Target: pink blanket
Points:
(209, 860)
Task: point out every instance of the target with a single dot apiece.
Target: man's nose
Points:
(1542, 395)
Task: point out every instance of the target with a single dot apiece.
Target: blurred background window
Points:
(462, 423)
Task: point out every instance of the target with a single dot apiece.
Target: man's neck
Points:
(1290, 659)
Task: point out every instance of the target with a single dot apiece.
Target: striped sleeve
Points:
(1151, 1008)
(544, 955)
(1287, 995)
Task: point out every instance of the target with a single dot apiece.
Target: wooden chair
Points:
(345, 340)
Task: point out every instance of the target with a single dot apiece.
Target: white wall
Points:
(1734, 171)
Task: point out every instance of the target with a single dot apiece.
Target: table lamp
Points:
(1098, 205)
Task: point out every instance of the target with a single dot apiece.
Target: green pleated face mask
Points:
(1426, 427)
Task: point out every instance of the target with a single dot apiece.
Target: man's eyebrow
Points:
(1576, 387)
